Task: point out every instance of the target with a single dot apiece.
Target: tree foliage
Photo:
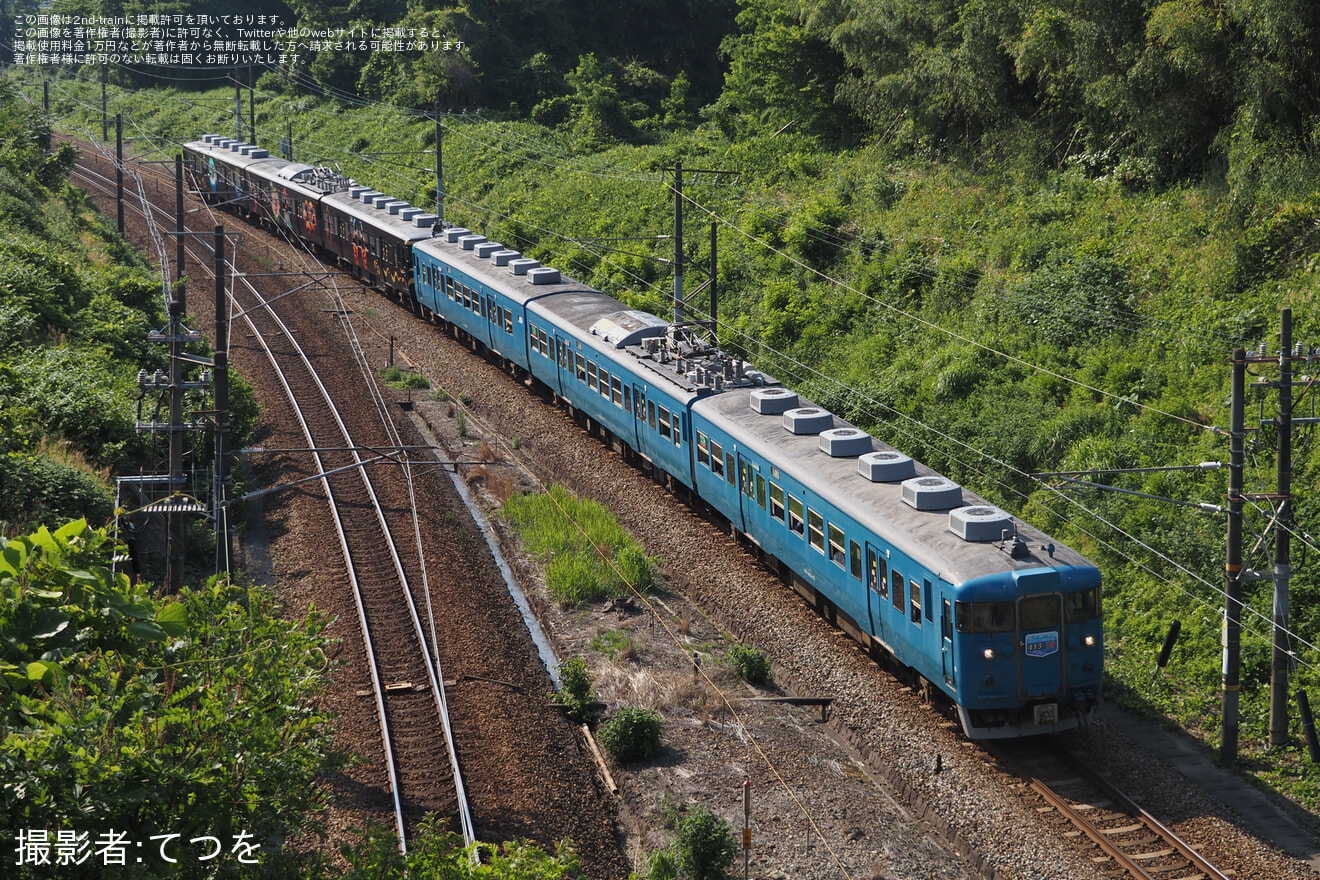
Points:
(192, 715)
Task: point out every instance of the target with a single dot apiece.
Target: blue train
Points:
(981, 606)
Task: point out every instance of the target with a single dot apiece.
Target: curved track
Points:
(407, 685)
(1130, 840)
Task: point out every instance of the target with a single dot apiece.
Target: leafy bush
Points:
(575, 689)
(705, 846)
(189, 714)
(631, 735)
(751, 664)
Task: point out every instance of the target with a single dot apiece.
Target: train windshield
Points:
(984, 617)
(1039, 612)
(1085, 605)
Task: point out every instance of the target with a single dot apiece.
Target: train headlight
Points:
(1090, 641)
(988, 653)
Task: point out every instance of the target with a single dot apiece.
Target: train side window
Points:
(930, 606)
(591, 376)
(565, 356)
(855, 559)
(777, 501)
(728, 473)
(703, 449)
(836, 545)
(816, 529)
(604, 382)
(482, 301)
(897, 581)
(665, 426)
(627, 398)
(616, 390)
(795, 515)
(879, 574)
(745, 478)
(650, 413)
(508, 321)
(760, 491)
(983, 617)
(581, 368)
(914, 593)
(678, 429)
(1078, 607)
(717, 458)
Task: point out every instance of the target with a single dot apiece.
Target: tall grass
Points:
(587, 555)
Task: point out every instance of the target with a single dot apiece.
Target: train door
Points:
(946, 641)
(1041, 670)
(877, 589)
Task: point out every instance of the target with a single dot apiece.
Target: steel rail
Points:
(431, 665)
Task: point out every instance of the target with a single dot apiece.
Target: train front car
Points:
(1028, 645)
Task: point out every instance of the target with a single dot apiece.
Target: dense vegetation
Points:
(121, 711)
(1005, 237)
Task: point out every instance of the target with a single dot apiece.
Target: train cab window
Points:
(760, 491)
(616, 390)
(897, 581)
(816, 530)
(914, 594)
(836, 545)
(855, 559)
(984, 617)
(591, 376)
(717, 458)
(581, 368)
(1039, 612)
(703, 449)
(665, 427)
(728, 473)
(1078, 607)
(795, 515)
(777, 501)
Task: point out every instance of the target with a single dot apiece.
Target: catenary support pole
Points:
(1282, 543)
(1232, 640)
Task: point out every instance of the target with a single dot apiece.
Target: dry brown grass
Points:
(62, 452)
(488, 453)
(498, 485)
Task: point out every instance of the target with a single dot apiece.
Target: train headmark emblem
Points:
(1042, 644)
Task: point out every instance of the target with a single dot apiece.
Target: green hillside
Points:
(1004, 237)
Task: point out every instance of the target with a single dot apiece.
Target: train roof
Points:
(234, 153)
(923, 535)
(500, 268)
(392, 216)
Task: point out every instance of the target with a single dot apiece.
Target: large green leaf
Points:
(145, 629)
(173, 619)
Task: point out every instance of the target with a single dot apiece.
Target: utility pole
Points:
(223, 542)
(119, 172)
(252, 106)
(238, 110)
(439, 171)
(180, 253)
(105, 125)
(677, 242)
(1232, 641)
(1282, 542)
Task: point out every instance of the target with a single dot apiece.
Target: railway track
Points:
(1080, 802)
(368, 485)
